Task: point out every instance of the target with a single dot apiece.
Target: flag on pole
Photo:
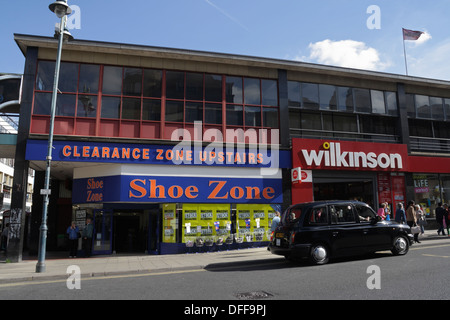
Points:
(411, 34)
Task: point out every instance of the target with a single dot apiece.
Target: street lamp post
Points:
(61, 9)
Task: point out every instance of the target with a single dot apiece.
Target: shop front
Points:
(140, 201)
(342, 170)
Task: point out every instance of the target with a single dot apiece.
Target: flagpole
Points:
(404, 51)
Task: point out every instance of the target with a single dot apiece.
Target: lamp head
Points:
(60, 8)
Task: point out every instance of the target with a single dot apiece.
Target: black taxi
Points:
(327, 229)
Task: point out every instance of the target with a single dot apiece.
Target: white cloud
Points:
(430, 61)
(423, 38)
(346, 53)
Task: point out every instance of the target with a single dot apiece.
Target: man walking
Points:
(440, 212)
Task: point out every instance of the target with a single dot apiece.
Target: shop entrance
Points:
(346, 188)
(136, 230)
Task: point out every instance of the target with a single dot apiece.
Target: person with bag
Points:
(440, 213)
(421, 219)
(411, 220)
(74, 234)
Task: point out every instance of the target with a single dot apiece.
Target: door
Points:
(153, 231)
(346, 232)
(376, 236)
(102, 237)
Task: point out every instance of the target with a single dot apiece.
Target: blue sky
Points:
(332, 32)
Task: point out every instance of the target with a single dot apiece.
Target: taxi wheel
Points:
(401, 246)
(319, 254)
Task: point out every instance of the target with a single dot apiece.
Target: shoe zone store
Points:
(141, 201)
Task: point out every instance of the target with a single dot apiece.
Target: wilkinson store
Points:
(374, 173)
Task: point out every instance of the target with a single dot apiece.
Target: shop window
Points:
(194, 86)
(213, 88)
(427, 192)
(170, 223)
(87, 106)
(328, 97)
(269, 90)
(110, 107)
(131, 109)
(252, 116)
(423, 106)
(345, 95)
(362, 100)
(89, 78)
(174, 85)
(68, 77)
(132, 82)
(378, 103)
(445, 182)
(112, 80)
(174, 111)
(294, 94)
(391, 103)
(213, 113)
(234, 90)
(151, 110)
(310, 96)
(152, 86)
(437, 108)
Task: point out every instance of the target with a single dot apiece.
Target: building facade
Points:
(174, 151)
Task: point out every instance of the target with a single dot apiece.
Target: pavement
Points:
(111, 265)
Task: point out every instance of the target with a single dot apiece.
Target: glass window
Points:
(152, 83)
(362, 100)
(345, 123)
(87, 106)
(342, 214)
(66, 105)
(420, 128)
(445, 180)
(45, 76)
(318, 216)
(42, 103)
(423, 106)
(310, 93)
(427, 194)
(253, 116)
(294, 118)
(294, 97)
(379, 125)
(89, 78)
(410, 105)
(252, 91)
(112, 80)
(391, 103)
(174, 111)
(270, 117)
(175, 85)
(110, 107)
(151, 110)
(194, 111)
(447, 108)
(269, 90)
(234, 90)
(68, 77)
(194, 86)
(364, 213)
(311, 121)
(378, 105)
(213, 113)
(345, 95)
(437, 108)
(327, 96)
(131, 109)
(132, 82)
(234, 115)
(441, 130)
(213, 88)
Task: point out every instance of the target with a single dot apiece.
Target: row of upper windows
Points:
(425, 107)
(150, 83)
(334, 98)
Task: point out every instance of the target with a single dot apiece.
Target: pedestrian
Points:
(411, 219)
(5, 235)
(420, 217)
(73, 231)
(400, 215)
(382, 211)
(440, 212)
(87, 237)
(446, 219)
(387, 212)
(275, 221)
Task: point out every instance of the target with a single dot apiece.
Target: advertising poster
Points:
(170, 223)
(253, 222)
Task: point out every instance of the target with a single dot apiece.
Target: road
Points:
(422, 274)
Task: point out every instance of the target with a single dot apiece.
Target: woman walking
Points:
(411, 219)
